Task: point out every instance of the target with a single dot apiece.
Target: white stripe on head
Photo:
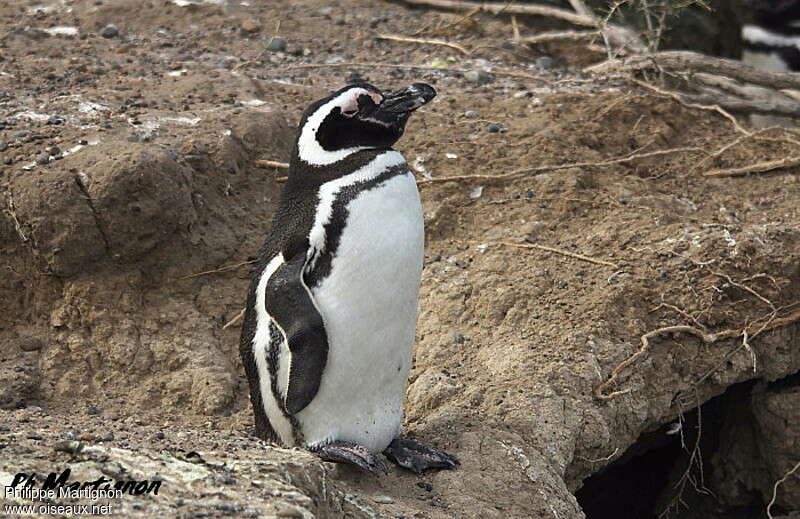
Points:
(261, 342)
(327, 195)
(761, 36)
(309, 148)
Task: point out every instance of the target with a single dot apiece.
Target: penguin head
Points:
(355, 118)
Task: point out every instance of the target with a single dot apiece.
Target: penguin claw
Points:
(418, 457)
(353, 454)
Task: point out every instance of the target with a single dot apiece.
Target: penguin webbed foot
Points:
(418, 457)
(352, 454)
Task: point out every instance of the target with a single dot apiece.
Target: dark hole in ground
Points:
(667, 473)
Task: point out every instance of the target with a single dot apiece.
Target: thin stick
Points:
(759, 167)
(775, 488)
(496, 72)
(224, 268)
(235, 320)
(547, 249)
(696, 62)
(395, 37)
(677, 97)
(544, 37)
(707, 338)
(515, 27)
(541, 169)
(262, 163)
(11, 211)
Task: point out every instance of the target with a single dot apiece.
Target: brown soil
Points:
(113, 327)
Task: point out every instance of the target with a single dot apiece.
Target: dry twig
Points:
(759, 167)
(261, 163)
(696, 62)
(496, 72)
(224, 268)
(541, 169)
(427, 41)
(775, 488)
(235, 319)
(621, 36)
(548, 36)
(547, 249)
(707, 338)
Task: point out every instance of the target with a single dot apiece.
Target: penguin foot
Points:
(418, 457)
(353, 454)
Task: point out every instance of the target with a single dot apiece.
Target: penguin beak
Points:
(408, 99)
(397, 106)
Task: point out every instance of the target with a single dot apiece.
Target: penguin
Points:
(331, 312)
(772, 42)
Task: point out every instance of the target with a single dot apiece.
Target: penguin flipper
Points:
(290, 305)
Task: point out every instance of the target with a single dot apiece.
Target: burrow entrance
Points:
(679, 470)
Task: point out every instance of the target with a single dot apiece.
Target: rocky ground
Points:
(131, 205)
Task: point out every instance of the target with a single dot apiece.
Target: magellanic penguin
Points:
(331, 312)
(772, 42)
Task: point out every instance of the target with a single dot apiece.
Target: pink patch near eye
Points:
(350, 106)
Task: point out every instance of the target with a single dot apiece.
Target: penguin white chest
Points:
(368, 303)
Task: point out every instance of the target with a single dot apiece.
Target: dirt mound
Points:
(132, 207)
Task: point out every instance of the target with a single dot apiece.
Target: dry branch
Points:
(272, 164)
(707, 338)
(541, 169)
(777, 484)
(696, 62)
(760, 167)
(688, 104)
(235, 319)
(409, 66)
(395, 37)
(547, 249)
(548, 36)
(224, 268)
(620, 36)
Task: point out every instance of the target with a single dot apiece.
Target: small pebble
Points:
(250, 26)
(493, 128)
(107, 437)
(109, 31)
(55, 120)
(563, 285)
(479, 77)
(33, 408)
(28, 342)
(545, 62)
(68, 446)
(384, 500)
(87, 437)
(20, 134)
(3, 146)
(92, 410)
(529, 194)
(160, 435)
(43, 158)
(459, 338)
(471, 114)
(277, 45)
